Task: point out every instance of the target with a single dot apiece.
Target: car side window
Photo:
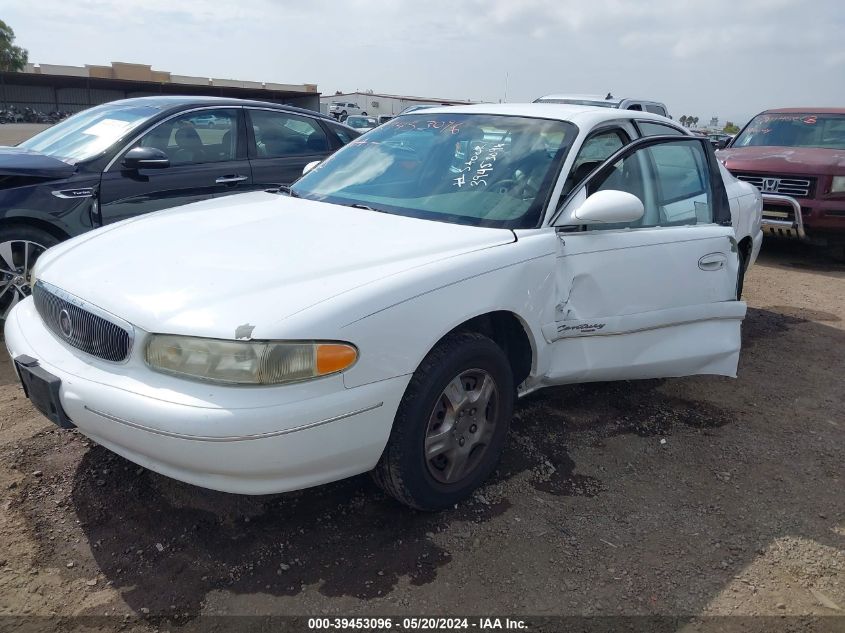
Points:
(655, 109)
(279, 134)
(671, 179)
(341, 132)
(650, 128)
(202, 136)
(595, 150)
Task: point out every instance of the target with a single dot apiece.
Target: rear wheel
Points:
(363, 114)
(20, 247)
(451, 425)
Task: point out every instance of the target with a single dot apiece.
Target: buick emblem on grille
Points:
(770, 184)
(65, 323)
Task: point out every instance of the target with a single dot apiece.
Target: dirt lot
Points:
(688, 497)
(14, 133)
(677, 497)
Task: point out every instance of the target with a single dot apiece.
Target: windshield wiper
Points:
(287, 190)
(358, 205)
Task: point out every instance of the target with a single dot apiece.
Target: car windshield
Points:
(806, 129)
(477, 169)
(91, 132)
(360, 122)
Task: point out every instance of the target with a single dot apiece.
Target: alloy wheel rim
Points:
(17, 258)
(461, 426)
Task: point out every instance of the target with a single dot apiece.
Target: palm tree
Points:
(683, 119)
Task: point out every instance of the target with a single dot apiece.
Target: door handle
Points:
(230, 180)
(713, 261)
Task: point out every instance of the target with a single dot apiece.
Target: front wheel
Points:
(20, 247)
(363, 114)
(451, 425)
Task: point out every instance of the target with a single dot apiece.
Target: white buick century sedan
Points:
(384, 313)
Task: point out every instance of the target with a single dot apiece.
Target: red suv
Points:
(796, 157)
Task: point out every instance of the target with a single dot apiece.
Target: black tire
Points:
(363, 114)
(837, 253)
(22, 237)
(403, 470)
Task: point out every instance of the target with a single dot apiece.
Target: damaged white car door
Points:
(646, 282)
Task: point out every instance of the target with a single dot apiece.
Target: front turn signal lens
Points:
(334, 357)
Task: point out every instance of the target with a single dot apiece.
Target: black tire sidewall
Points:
(472, 353)
(30, 233)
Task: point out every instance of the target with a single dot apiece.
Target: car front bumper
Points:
(249, 440)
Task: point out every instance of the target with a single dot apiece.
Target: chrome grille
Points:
(82, 326)
(783, 185)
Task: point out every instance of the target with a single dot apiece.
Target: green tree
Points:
(730, 128)
(12, 57)
(694, 120)
(683, 120)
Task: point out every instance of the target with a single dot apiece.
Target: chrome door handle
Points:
(228, 180)
(713, 261)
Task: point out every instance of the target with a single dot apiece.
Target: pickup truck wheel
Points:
(20, 247)
(451, 425)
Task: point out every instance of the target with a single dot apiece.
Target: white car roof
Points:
(583, 116)
(613, 100)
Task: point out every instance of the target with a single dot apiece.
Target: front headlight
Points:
(247, 362)
(837, 185)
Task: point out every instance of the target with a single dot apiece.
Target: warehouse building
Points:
(374, 103)
(48, 88)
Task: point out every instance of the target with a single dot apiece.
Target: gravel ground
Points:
(686, 497)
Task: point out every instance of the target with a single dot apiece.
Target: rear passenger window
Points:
(280, 134)
(655, 109)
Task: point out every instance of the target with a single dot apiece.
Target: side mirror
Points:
(145, 158)
(609, 207)
(310, 166)
(723, 143)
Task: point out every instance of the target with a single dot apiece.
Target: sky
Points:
(725, 58)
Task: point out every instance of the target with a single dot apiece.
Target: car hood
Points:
(809, 161)
(16, 161)
(209, 268)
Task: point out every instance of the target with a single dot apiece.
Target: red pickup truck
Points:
(796, 157)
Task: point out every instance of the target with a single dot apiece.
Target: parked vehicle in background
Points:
(417, 108)
(608, 101)
(125, 158)
(386, 313)
(796, 158)
(719, 140)
(342, 109)
(361, 123)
